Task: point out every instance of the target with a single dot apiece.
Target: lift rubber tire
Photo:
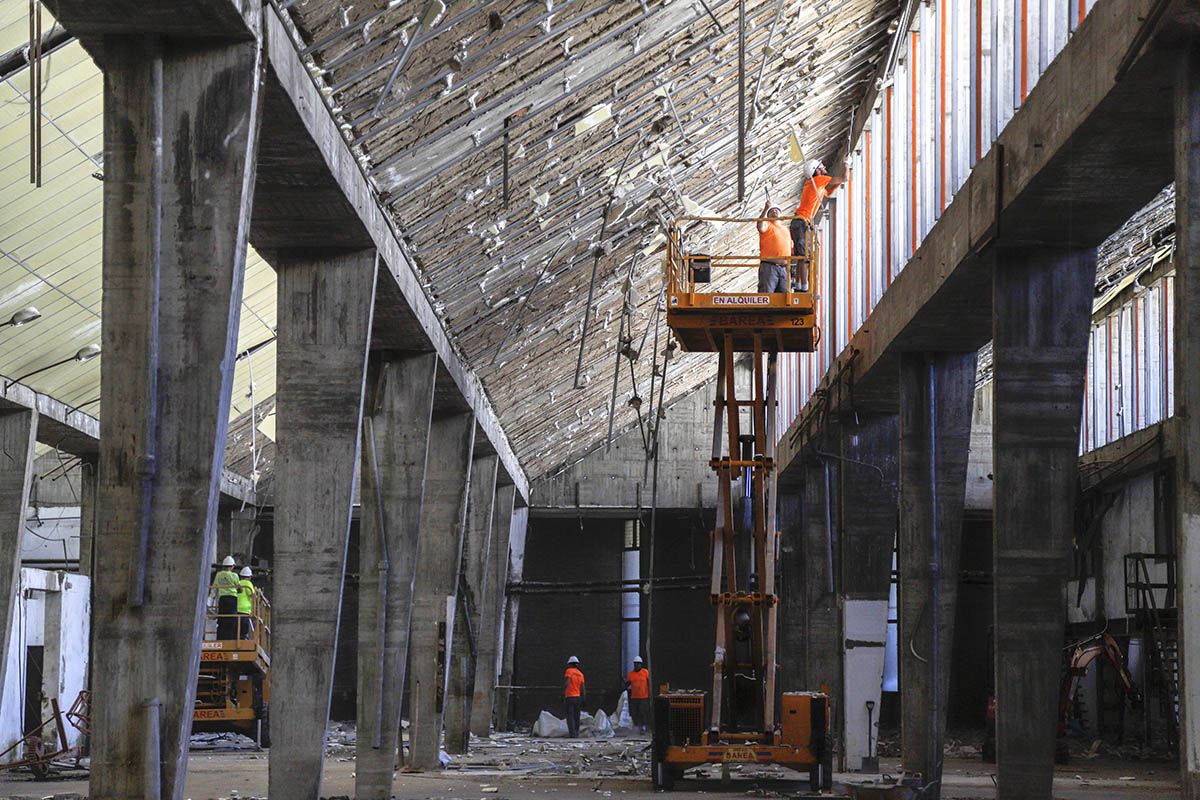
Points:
(264, 733)
(662, 776)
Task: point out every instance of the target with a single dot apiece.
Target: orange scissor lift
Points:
(744, 718)
(233, 690)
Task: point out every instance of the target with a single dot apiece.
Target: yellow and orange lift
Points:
(745, 717)
(233, 690)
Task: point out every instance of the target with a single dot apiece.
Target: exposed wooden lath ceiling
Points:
(467, 78)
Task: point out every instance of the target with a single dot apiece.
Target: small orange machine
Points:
(744, 718)
(233, 693)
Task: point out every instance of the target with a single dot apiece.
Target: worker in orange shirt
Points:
(774, 251)
(574, 693)
(637, 683)
(819, 186)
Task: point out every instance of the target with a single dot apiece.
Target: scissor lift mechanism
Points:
(737, 720)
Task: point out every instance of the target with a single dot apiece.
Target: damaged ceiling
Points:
(530, 151)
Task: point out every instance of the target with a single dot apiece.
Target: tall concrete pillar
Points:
(1187, 408)
(18, 435)
(819, 658)
(868, 510)
(512, 612)
(477, 543)
(790, 675)
(395, 435)
(936, 393)
(87, 515)
(177, 201)
(491, 613)
(443, 520)
(324, 313)
(1042, 310)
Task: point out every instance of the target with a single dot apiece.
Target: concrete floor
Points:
(521, 767)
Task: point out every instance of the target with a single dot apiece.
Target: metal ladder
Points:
(1160, 626)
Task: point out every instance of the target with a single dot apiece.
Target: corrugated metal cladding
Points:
(963, 69)
(1130, 372)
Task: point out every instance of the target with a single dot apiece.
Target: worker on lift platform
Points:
(774, 251)
(245, 601)
(818, 186)
(226, 587)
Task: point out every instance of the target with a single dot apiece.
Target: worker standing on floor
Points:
(637, 683)
(774, 251)
(574, 692)
(245, 602)
(226, 587)
(818, 186)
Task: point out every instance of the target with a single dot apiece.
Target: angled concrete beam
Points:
(512, 612)
(324, 313)
(1043, 300)
(491, 614)
(177, 197)
(936, 393)
(443, 520)
(471, 586)
(17, 438)
(396, 423)
(401, 275)
(1187, 408)
(228, 19)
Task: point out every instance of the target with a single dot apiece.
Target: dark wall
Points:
(553, 627)
(684, 621)
(970, 668)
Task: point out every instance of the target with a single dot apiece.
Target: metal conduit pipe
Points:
(935, 577)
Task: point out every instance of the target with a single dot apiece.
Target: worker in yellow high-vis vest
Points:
(245, 604)
(226, 588)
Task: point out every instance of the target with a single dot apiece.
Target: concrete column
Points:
(491, 613)
(18, 435)
(868, 510)
(87, 515)
(790, 675)
(1042, 310)
(512, 612)
(810, 622)
(395, 444)
(177, 201)
(1187, 409)
(471, 586)
(324, 315)
(936, 393)
(443, 520)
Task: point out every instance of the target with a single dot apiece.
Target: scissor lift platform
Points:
(701, 316)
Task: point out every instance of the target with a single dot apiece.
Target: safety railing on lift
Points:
(691, 273)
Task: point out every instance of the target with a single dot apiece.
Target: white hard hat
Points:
(246, 572)
(227, 561)
(637, 659)
(572, 660)
(816, 165)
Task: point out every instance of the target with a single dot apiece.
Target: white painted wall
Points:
(65, 599)
(866, 630)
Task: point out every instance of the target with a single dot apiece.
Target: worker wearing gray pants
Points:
(574, 693)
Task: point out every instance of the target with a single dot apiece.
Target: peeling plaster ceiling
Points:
(607, 117)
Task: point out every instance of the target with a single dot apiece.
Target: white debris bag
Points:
(549, 726)
(621, 718)
(599, 726)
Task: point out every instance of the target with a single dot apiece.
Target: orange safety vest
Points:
(574, 682)
(639, 684)
(810, 199)
(775, 241)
